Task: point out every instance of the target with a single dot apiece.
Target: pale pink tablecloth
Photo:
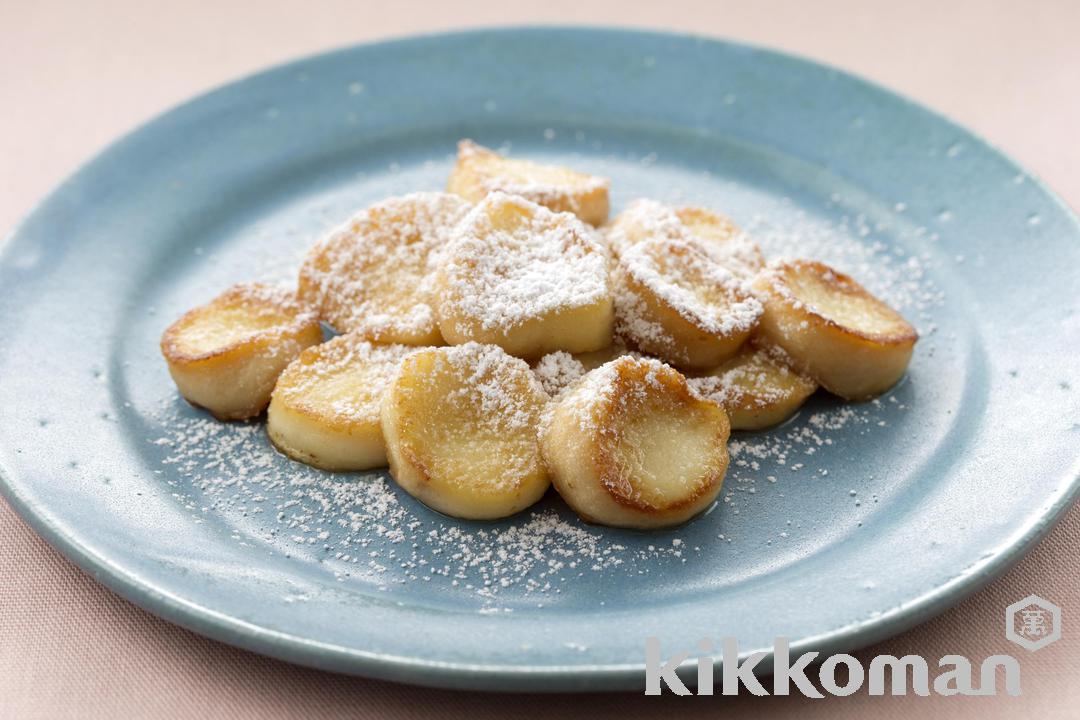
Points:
(75, 75)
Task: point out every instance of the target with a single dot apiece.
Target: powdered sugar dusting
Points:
(375, 273)
(897, 276)
(558, 371)
(722, 241)
(253, 310)
(364, 529)
(511, 261)
(315, 378)
(601, 387)
(270, 298)
(684, 279)
(541, 184)
(643, 219)
(493, 378)
(758, 378)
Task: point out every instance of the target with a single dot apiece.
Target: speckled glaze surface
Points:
(845, 525)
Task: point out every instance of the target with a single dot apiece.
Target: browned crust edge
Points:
(909, 336)
(673, 381)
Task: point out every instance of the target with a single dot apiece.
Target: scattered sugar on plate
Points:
(362, 525)
(362, 528)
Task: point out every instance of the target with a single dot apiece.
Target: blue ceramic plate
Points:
(847, 524)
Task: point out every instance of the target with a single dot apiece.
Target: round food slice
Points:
(724, 241)
(479, 171)
(758, 387)
(851, 342)
(674, 302)
(460, 428)
(644, 219)
(522, 277)
(716, 234)
(325, 407)
(630, 445)
(374, 275)
(226, 355)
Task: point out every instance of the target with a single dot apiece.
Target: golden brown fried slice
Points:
(851, 342)
(325, 406)
(723, 240)
(526, 279)
(630, 445)
(460, 428)
(674, 302)
(644, 220)
(758, 387)
(714, 233)
(226, 355)
(374, 275)
(480, 171)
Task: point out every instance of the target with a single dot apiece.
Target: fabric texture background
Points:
(77, 75)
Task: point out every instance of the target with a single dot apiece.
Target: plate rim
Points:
(326, 656)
